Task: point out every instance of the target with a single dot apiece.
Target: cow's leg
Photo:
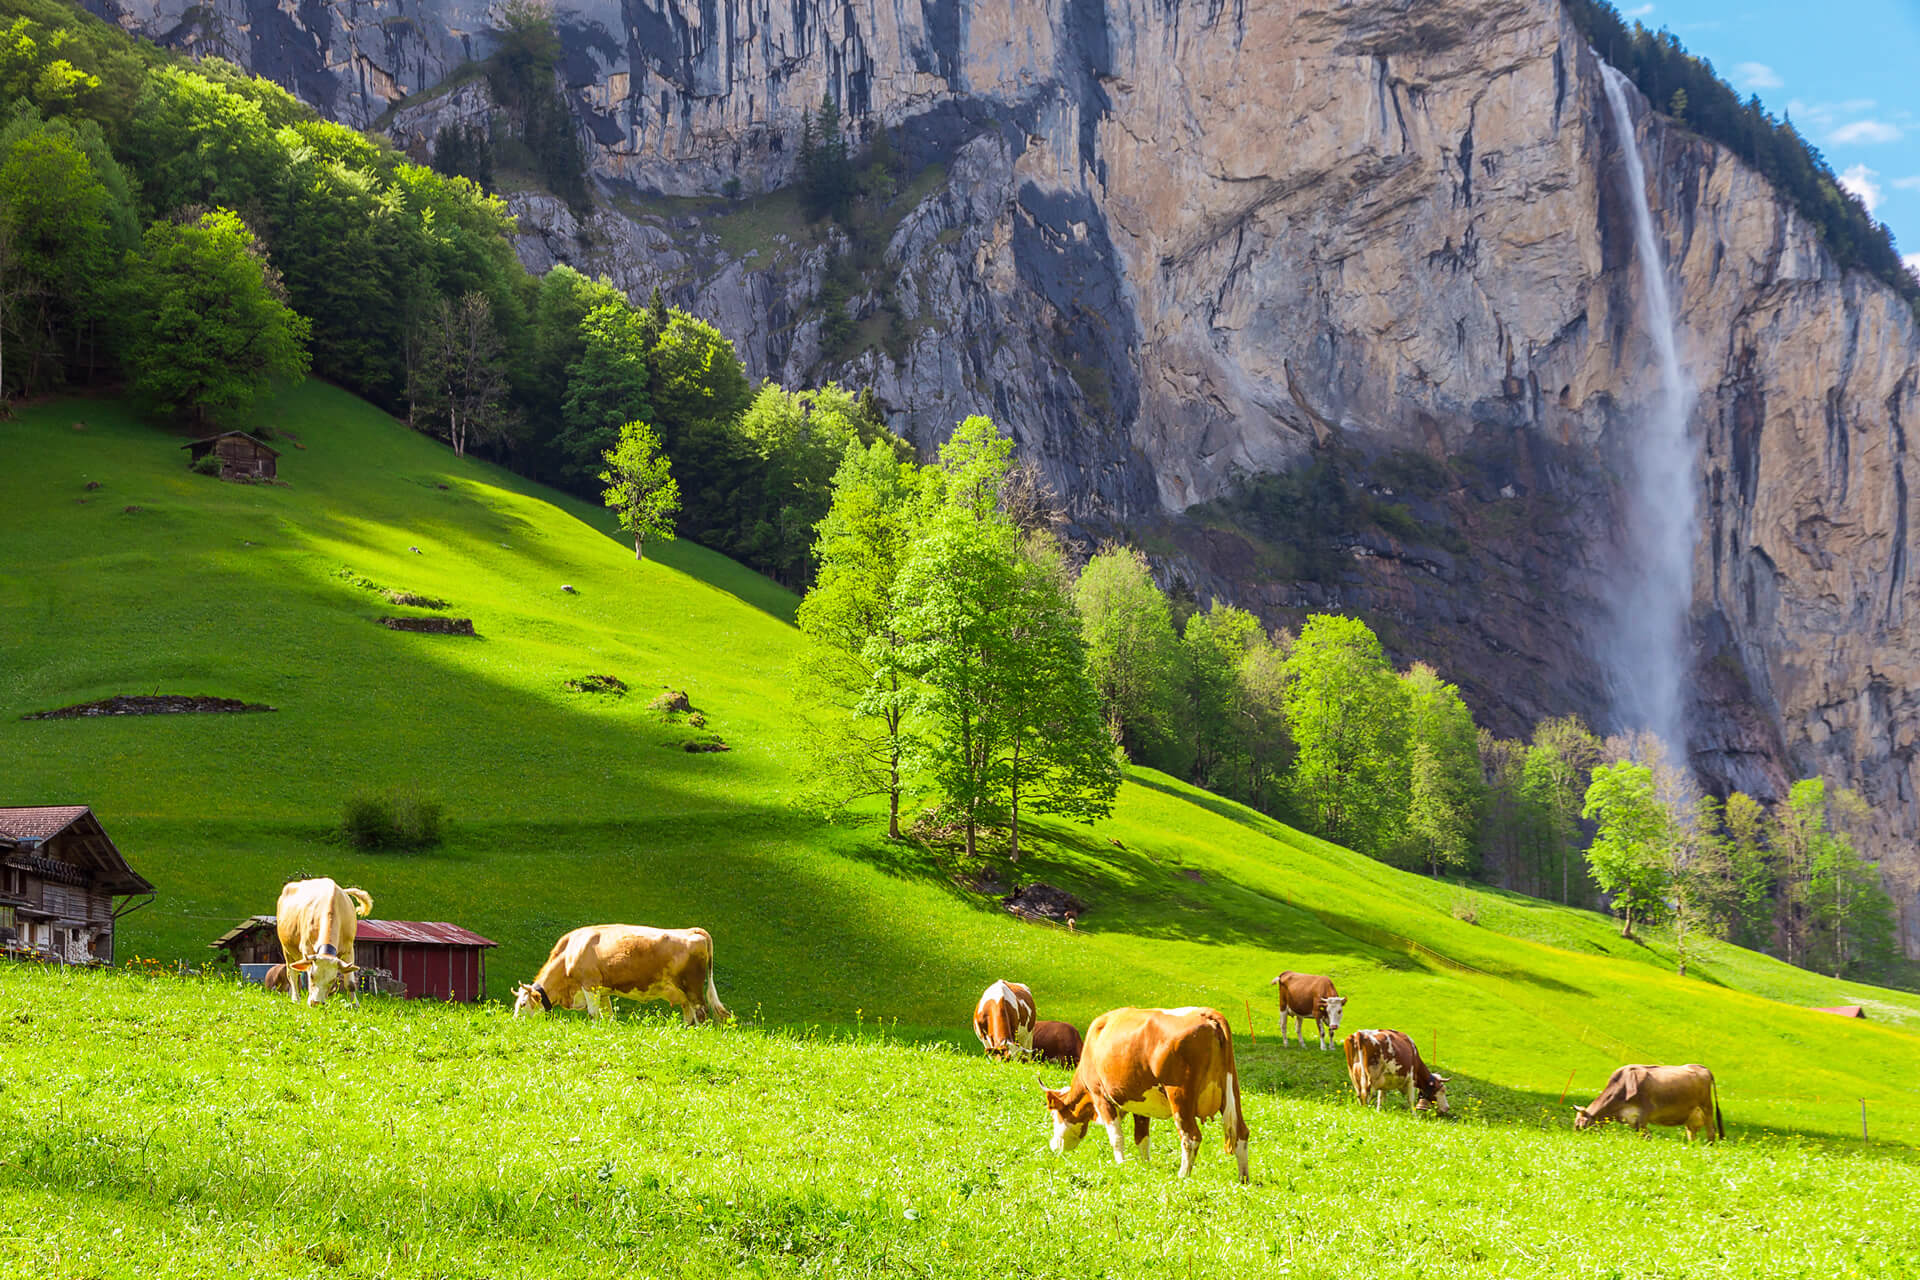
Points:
(1142, 1134)
(1115, 1123)
(1181, 1102)
(1320, 1025)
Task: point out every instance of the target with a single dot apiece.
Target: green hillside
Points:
(568, 808)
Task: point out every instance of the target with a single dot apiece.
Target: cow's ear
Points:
(1633, 1084)
(301, 966)
(349, 968)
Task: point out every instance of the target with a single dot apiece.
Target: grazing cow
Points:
(279, 978)
(1383, 1061)
(1309, 995)
(317, 921)
(1641, 1095)
(589, 967)
(1154, 1064)
(1003, 1021)
(1056, 1042)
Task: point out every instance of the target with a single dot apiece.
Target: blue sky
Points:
(1847, 71)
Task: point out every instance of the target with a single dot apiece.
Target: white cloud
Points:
(1640, 11)
(1862, 183)
(1860, 131)
(1841, 123)
(1907, 184)
(1755, 76)
(1913, 264)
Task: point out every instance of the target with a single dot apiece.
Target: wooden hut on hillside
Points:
(432, 960)
(241, 456)
(59, 876)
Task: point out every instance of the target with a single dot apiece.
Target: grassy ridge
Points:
(157, 1128)
(566, 808)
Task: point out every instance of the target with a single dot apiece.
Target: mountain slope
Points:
(569, 808)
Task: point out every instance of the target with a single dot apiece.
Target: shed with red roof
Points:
(421, 960)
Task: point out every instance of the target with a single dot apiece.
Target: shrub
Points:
(390, 820)
(1466, 910)
(366, 820)
(208, 464)
(416, 819)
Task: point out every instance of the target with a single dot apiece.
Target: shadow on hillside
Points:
(1130, 891)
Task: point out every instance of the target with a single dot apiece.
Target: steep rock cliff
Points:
(1170, 245)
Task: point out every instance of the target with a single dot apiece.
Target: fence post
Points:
(1564, 1088)
(1252, 1036)
(1863, 1120)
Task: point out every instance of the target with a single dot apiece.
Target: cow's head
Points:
(530, 997)
(1333, 1005)
(1584, 1119)
(325, 972)
(1069, 1122)
(1434, 1095)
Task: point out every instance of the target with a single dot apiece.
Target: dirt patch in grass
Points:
(162, 704)
(613, 685)
(433, 626)
(1043, 901)
(672, 702)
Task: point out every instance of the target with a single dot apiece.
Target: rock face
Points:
(1170, 245)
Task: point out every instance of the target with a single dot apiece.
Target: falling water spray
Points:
(1647, 653)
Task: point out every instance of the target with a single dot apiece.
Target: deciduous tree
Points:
(1628, 855)
(463, 380)
(641, 489)
(205, 330)
(1348, 714)
(1445, 790)
(854, 683)
(1133, 655)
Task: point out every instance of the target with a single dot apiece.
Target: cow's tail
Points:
(362, 901)
(1235, 1125)
(1719, 1125)
(715, 1010)
(1233, 1118)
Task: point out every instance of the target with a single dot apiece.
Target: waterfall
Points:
(1647, 654)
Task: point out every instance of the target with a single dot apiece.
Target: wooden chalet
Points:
(432, 961)
(59, 877)
(241, 456)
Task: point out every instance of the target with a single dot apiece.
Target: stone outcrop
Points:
(1170, 245)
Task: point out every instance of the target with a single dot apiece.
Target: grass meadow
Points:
(195, 1119)
(151, 1127)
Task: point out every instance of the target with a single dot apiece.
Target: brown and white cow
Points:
(279, 979)
(1003, 1021)
(590, 966)
(1309, 995)
(1640, 1095)
(1056, 1042)
(1153, 1064)
(317, 920)
(1380, 1062)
